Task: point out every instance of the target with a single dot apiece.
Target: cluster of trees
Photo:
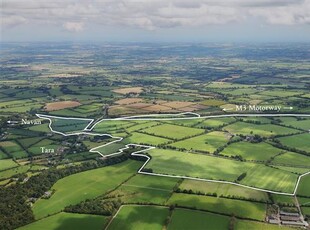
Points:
(95, 206)
(190, 191)
(14, 206)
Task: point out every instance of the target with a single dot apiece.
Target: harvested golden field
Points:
(158, 108)
(7, 144)
(178, 104)
(61, 105)
(128, 90)
(139, 105)
(127, 101)
(122, 110)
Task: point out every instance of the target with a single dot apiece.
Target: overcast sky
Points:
(156, 20)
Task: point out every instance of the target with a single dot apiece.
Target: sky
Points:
(155, 20)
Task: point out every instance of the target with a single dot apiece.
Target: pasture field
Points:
(280, 93)
(173, 131)
(304, 201)
(182, 219)
(207, 167)
(207, 142)
(13, 149)
(245, 224)
(262, 120)
(222, 189)
(146, 189)
(8, 173)
(108, 126)
(240, 208)
(47, 143)
(111, 148)
(27, 142)
(251, 151)
(304, 186)
(3, 155)
(92, 143)
(139, 218)
(294, 169)
(187, 122)
(142, 138)
(195, 165)
(68, 221)
(291, 158)
(283, 200)
(86, 185)
(68, 125)
(40, 128)
(6, 164)
(300, 141)
(215, 122)
(265, 130)
(292, 121)
(269, 178)
(142, 125)
(306, 211)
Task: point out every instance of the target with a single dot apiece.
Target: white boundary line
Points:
(86, 131)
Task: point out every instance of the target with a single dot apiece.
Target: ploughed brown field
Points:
(61, 105)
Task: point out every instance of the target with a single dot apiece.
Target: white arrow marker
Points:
(290, 108)
(12, 122)
(227, 109)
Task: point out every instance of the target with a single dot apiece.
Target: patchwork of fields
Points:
(243, 150)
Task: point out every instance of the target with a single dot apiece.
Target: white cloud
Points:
(74, 26)
(12, 20)
(152, 14)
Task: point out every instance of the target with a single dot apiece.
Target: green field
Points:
(292, 121)
(6, 164)
(207, 167)
(207, 142)
(111, 148)
(251, 151)
(244, 224)
(182, 219)
(108, 126)
(3, 155)
(68, 221)
(221, 205)
(271, 179)
(215, 122)
(301, 141)
(265, 130)
(145, 188)
(13, 149)
(68, 125)
(306, 211)
(139, 218)
(222, 189)
(195, 165)
(142, 138)
(14, 171)
(173, 131)
(304, 186)
(291, 158)
(85, 185)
